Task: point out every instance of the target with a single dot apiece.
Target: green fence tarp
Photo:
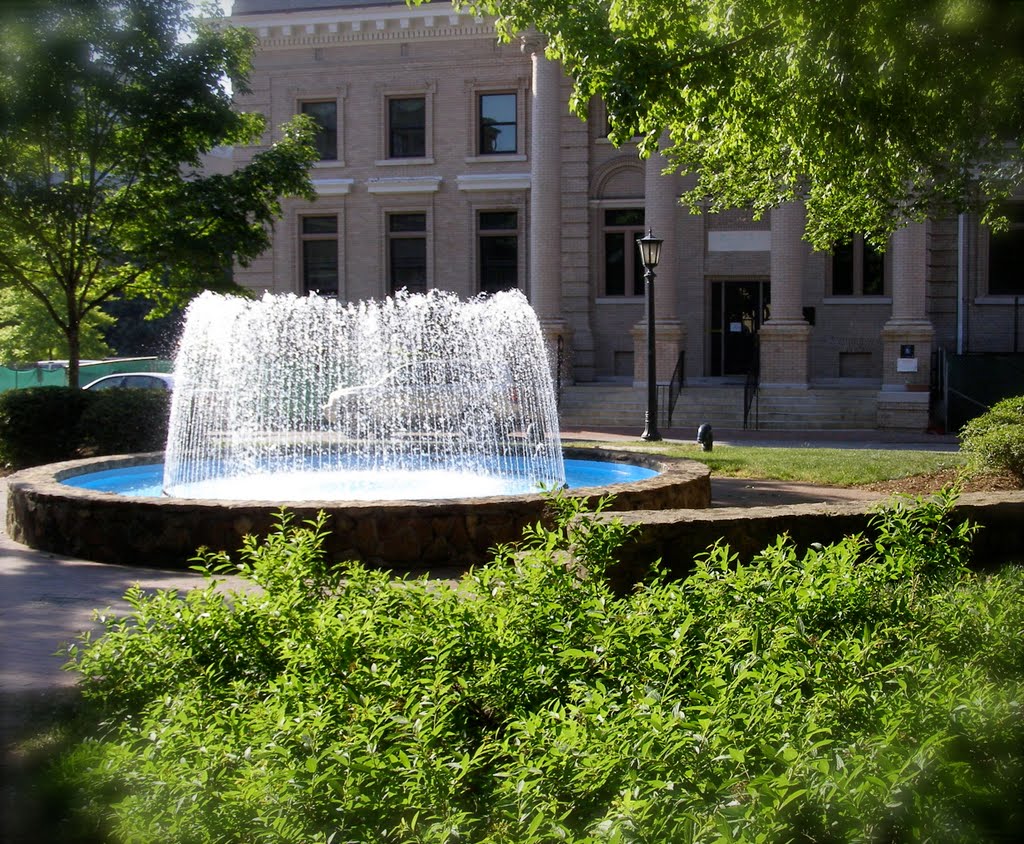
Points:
(55, 373)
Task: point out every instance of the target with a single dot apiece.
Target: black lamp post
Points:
(650, 254)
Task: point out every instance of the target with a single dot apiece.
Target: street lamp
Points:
(650, 254)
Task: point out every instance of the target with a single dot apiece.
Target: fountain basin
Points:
(46, 513)
(352, 479)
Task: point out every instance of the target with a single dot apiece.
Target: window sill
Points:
(332, 187)
(999, 299)
(402, 184)
(401, 162)
(496, 158)
(325, 163)
(493, 181)
(619, 300)
(854, 299)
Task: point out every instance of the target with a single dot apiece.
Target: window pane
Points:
(638, 272)
(842, 269)
(407, 223)
(497, 138)
(319, 225)
(409, 264)
(497, 123)
(142, 382)
(1006, 255)
(624, 217)
(874, 272)
(614, 264)
(499, 258)
(498, 108)
(498, 220)
(407, 127)
(326, 116)
(1005, 262)
(320, 265)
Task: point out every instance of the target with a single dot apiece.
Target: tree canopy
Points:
(874, 112)
(107, 108)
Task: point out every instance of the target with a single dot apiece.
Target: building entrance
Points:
(737, 310)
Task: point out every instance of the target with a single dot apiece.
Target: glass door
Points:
(738, 308)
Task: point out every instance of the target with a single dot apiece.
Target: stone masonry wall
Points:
(677, 537)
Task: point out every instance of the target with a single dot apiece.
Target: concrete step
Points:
(781, 409)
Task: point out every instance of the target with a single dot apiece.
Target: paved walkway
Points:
(46, 600)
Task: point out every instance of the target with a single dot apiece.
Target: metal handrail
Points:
(751, 385)
(675, 386)
(943, 383)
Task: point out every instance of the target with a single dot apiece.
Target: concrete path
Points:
(887, 440)
(46, 601)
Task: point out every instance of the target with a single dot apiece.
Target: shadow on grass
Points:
(36, 729)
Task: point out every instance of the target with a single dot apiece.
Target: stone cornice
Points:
(328, 27)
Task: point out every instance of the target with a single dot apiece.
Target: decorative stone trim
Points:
(404, 184)
(326, 27)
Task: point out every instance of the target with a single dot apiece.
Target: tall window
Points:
(499, 250)
(1006, 255)
(623, 272)
(325, 114)
(858, 269)
(497, 124)
(407, 127)
(320, 255)
(407, 252)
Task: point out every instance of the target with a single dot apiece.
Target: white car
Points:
(137, 380)
(428, 396)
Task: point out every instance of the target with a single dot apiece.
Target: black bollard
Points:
(706, 437)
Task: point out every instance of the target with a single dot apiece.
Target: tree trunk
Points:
(74, 352)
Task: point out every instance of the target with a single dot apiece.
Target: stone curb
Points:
(677, 537)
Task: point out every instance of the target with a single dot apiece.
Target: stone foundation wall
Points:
(677, 537)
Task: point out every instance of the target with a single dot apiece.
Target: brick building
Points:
(450, 160)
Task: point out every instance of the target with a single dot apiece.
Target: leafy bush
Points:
(995, 440)
(39, 425)
(49, 424)
(864, 691)
(124, 420)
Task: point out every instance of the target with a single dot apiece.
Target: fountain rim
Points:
(49, 479)
(417, 535)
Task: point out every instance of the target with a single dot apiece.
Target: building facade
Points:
(450, 160)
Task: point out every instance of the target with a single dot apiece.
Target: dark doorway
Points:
(737, 310)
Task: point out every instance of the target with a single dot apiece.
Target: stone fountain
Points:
(424, 426)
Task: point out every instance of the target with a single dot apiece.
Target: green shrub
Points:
(864, 691)
(49, 424)
(123, 420)
(39, 425)
(995, 440)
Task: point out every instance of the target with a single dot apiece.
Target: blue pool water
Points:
(147, 480)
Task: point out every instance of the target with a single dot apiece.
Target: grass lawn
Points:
(828, 466)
